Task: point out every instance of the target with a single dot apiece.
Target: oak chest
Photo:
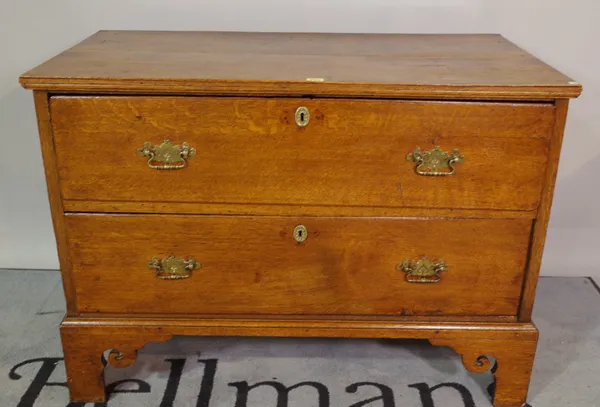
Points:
(330, 185)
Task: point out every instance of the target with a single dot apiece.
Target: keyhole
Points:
(300, 233)
(302, 116)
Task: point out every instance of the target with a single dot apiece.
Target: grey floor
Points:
(567, 366)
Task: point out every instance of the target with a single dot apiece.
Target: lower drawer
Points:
(255, 265)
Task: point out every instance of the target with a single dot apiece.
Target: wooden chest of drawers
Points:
(330, 185)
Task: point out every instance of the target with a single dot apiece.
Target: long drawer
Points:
(378, 153)
(297, 266)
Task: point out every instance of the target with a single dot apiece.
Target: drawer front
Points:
(255, 265)
(351, 152)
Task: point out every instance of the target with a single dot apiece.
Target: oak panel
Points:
(42, 109)
(85, 340)
(352, 153)
(357, 65)
(287, 210)
(252, 265)
(543, 217)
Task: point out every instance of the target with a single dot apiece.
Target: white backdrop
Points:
(562, 33)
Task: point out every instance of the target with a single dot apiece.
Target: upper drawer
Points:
(351, 152)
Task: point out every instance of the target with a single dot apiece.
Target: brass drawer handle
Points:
(173, 268)
(430, 162)
(166, 156)
(422, 270)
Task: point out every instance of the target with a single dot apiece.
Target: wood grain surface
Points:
(352, 153)
(543, 217)
(284, 326)
(85, 339)
(372, 99)
(252, 265)
(512, 369)
(42, 109)
(288, 210)
(360, 65)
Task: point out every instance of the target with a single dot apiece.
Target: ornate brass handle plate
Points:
(422, 270)
(173, 268)
(167, 156)
(436, 162)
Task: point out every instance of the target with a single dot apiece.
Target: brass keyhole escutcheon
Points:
(300, 233)
(302, 116)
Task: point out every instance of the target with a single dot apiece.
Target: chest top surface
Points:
(460, 66)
